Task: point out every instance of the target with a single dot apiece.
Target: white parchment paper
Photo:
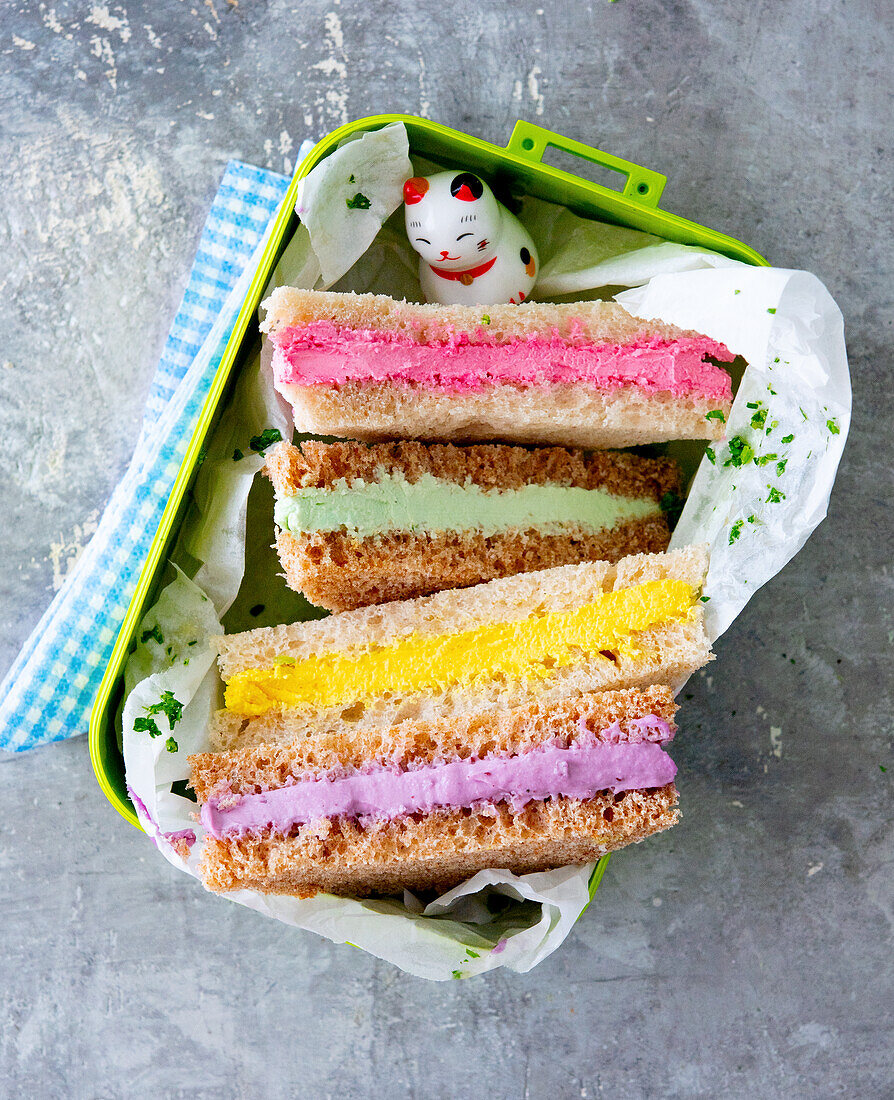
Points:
(755, 504)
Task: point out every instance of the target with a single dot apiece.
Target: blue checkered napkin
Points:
(49, 691)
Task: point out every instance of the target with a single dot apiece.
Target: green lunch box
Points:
(517, 168)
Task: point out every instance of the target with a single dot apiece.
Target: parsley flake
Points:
(735, 531)
(752, 518)
(780, 467)
(787, 438)
(771, 311)
(238, 455)
(765, 460)
(171, 745)
(832, 425)
(704, 599)
(759, 419)
(710, 456)
(457, 973)
(155, 634)
(358, 202)
(753, 405)
(775, 496)
(740, 452)
(170, 707)
(882, 768)
(737, 292)
(146, 725)
(672, 506)
(716, 414)
(266, 439)
(351, 178)
(485, 318)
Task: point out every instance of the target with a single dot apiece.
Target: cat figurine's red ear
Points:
(472, 250)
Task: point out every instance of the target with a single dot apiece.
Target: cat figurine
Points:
(472, 250)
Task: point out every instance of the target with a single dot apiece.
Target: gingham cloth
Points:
(48, 693)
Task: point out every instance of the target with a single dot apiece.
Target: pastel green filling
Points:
(432, 505)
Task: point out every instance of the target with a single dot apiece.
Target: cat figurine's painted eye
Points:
(472, 250)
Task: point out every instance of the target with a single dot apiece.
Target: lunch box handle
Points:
(531, 142)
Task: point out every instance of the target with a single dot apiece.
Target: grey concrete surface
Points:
(748, 952)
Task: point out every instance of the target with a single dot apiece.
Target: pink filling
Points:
(320, 354)
(578, 771)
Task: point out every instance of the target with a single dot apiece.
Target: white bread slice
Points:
(567, 415)
(583, 322)
(667, 653)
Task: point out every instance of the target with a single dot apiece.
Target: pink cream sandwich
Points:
(583, 374)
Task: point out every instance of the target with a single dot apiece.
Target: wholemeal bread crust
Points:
(341, 572)
(571, 415)
(317, 465)
(578, 322)
(504, 732)
(438, 850)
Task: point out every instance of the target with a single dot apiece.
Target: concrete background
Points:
(747, 953)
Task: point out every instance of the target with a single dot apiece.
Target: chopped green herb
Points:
(882, 768)
(284, 659)
(735, 531)
(146, 725)
(759, 419)
(716, 414)
(457, 973)
(737, 292)
(238, 455)
(771, 311)
(832, 425)
(775, 496)
(351, 178)
(787, 438)
(358, 202)
(485, 318)
(168, 706)
(266, 439)
(801, 411)
(185, 661)
(256, 609)
(752, 518)
(710, 456)
(195, 641)
(154, 633)
(776, 360)
(740, 452)
(171, 745)
(472, 954)
(169, 650)
(780, 467)
(753, 405)
(773, 425)
(765, 460)
(672, 505)
(772, 391)
(704, 599)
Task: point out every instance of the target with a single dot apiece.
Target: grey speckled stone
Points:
(747, 953)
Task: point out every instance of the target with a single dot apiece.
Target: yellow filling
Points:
(527, 649)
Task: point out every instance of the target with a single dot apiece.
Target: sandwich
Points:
(359, 525)
(423, 805)
(583, 374)
(545, 636)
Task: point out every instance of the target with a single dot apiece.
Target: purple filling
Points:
(547, 771)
